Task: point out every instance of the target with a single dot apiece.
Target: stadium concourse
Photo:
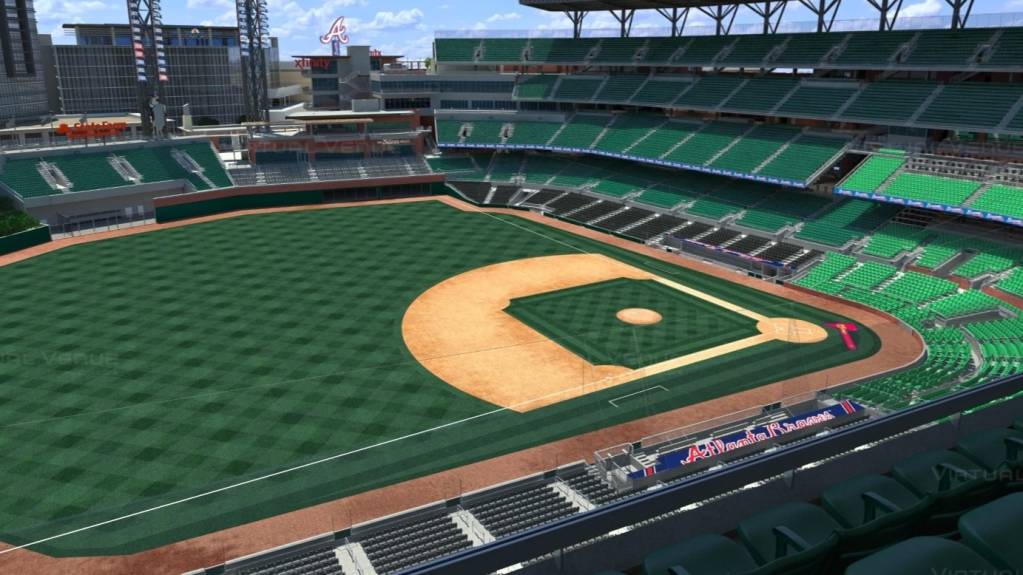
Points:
(663, 305)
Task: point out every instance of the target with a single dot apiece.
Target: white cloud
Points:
(67, 11)
(389, 21)
(925, 8)
(503, 17)
(196, 4)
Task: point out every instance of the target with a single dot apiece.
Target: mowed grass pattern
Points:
(143, 370)
(584, 320)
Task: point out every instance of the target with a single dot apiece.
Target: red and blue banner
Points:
(714, 447)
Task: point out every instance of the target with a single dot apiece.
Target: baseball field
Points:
(168, 384)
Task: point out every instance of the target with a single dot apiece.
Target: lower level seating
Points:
(316, 562)
(476, 192)
(655, 227)
(624, 219)
(400, 547)
(521, 510)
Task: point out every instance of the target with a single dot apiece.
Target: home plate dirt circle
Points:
(639, 316)
(792, 330)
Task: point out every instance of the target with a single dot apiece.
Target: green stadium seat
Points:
(972, 105)
(818, 100)
(560, 50)
(935, 48)
(503, 49)
(1001, 199)
(577, 89)
(928, 188)
(894, 239)
(452, 164)
(941, 249)
(803, 157)
(703, 50)
(22, 176)
(954, 481)
(581, 131)
(626, 130)
(849, 220)
(456, 49)
(806, 50)
(505, 167)
(620, 88)
(917, 288)
(212, 168)
(922, 556)
(661, 50)
(664, 139)
(752, 49)
(799, 534)
(158, 164)
(449, 131)
(1013, 284)
(701, 555)
(707, 143)
(754, 148)
(869, 275)
(872, 49)
(965, 303)
(873, 172)
(664, 196)
(709, 92)
(535, 87)
(485, 132)
(992, 530)
(619, 50)
(88, 171)
(658, 91)
(889, 100)
(873, 511)
(994, 449)
(531, 133)
(760, 94)
(1006, 50)
(783, 209)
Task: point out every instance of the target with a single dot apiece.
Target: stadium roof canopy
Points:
(723, 11)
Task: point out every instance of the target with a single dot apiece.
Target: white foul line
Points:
(284, 471)
(612, 401)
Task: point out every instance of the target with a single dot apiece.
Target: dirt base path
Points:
(900, 348)
(460, 332)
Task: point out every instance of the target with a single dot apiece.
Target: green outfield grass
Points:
(582, 319)
(140, 371)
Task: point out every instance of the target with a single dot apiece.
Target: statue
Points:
(159, 111)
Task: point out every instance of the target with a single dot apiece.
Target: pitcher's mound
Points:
(639, 316)
(792, 330)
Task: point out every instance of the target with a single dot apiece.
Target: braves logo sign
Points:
(338, 32)
(846, 329)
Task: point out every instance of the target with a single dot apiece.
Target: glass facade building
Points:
(22, 84)
(97, 74)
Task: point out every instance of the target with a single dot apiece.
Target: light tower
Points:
(253, 42)
(150, 57)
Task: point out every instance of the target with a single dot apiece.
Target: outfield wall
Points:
(197, 204)
(26, 239)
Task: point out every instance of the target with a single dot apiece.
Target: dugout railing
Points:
(871, 446)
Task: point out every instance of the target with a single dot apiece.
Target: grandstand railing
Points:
(599, 522)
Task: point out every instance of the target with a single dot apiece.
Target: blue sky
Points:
(407, 26)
